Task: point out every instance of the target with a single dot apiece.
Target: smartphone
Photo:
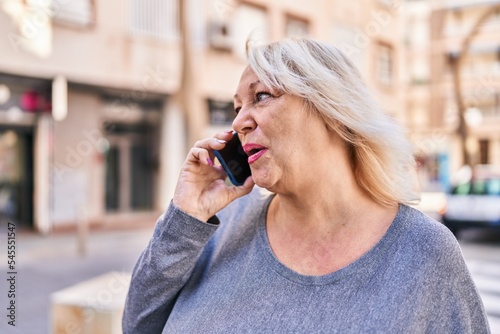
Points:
(234, 161)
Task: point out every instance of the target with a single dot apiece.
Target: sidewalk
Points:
(48, 264)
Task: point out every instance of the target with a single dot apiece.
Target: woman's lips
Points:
(254, 157)
(254, 151)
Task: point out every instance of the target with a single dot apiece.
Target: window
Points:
(392, 4)
(249, 19)
(484, 147)
(76, 12)
(296, 26)
(153, 18)
(221, 113)
(384, 64)
(344, 36)
(112, 179)
(159, 19)
(219, 36)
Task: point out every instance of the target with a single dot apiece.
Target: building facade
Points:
(450, 24)
(430, 143)
(92, 128)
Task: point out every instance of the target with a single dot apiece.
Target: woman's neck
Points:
(325, 224)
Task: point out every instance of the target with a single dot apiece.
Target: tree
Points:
(185, 83)
(456, 64)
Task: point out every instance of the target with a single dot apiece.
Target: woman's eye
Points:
(260, 96)
(237, 110)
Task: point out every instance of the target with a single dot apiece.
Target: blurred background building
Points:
(100, 100)
(436, 33)
(469, 30)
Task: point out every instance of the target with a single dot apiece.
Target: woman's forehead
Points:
(247, 82)
(247, 77)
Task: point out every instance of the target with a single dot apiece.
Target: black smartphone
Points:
(234, 161)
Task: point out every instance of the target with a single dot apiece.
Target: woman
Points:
(332, 248)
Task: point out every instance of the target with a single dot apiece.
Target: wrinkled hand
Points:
(201, 191)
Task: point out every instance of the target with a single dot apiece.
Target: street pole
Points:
(462, 130)
(188, 94)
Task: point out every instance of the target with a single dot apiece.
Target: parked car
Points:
(473, 204)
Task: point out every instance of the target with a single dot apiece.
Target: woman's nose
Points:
(244, 122)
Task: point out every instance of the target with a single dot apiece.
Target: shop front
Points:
(23, 101)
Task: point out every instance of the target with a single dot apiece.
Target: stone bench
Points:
(93, 306)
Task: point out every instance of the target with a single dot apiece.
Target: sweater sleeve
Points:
(458, 305)
(464, 305)
(163, 268)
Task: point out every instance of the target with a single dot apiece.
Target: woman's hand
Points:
(201, 191)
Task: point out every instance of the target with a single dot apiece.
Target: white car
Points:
(473, 204)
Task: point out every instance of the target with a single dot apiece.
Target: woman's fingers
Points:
(199, 155)
(201, 190)
(211, 143)
(226, 135)
(242, 190)
(202, 150)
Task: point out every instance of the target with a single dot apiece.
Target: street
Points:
(481, 249)
(49, 264)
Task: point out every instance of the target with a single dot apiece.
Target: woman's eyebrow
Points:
(253, 84)
(250, 86)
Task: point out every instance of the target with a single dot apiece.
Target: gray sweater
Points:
(197, 277)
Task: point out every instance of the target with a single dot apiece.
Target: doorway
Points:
(16, 174)
(131, 168)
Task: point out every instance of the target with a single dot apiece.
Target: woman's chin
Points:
(263, 181)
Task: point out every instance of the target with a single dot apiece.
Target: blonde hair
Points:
(331, 85)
